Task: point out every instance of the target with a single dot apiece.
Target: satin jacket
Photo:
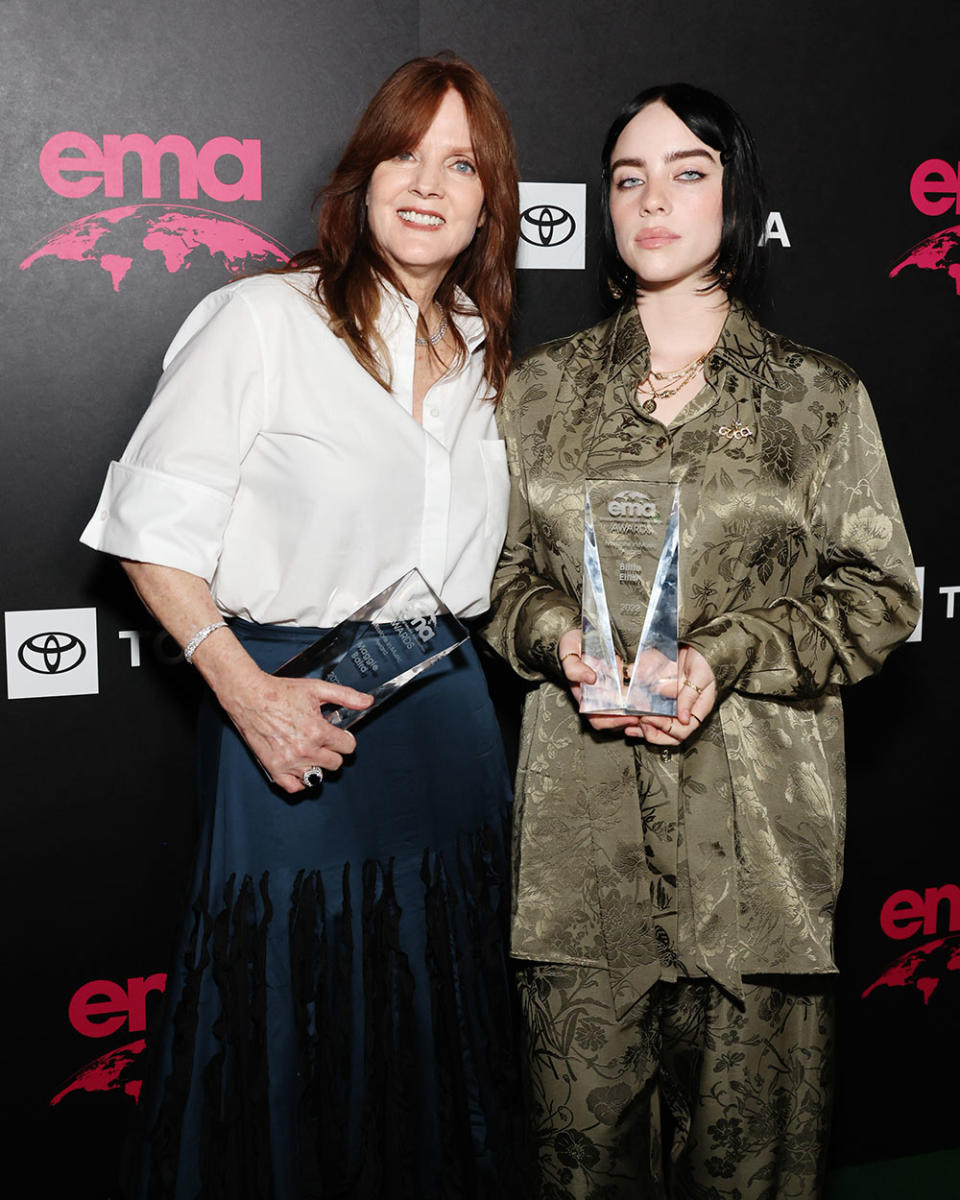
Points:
(795, 577)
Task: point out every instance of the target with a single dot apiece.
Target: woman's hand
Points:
(696, 696)
(279, 719)
(282, 722)
(569, 649)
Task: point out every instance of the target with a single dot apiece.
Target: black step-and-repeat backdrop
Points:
(150, 153)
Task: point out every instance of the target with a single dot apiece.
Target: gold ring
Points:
(689, 683)
(570, 654)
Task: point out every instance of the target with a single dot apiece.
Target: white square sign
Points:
(553, 226)
(51, 652)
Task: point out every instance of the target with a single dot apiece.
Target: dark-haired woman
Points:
(676, 877)
(338, 1023)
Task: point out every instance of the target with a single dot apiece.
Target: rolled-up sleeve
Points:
(169, 498)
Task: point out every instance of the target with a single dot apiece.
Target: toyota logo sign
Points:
(52, 653)
(553, 222)
(546, 225)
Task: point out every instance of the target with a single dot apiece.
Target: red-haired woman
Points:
(339, 1020)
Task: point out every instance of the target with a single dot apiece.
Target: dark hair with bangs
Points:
(347, 257)
(740, 265)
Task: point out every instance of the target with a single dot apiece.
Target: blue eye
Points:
(627, 181)
(464, 167)
(690, 173)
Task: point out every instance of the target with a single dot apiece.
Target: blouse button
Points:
(434, 412)
(661, 442)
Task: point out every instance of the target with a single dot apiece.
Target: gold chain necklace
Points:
(682, 375)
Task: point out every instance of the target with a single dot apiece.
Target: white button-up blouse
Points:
(271, 464)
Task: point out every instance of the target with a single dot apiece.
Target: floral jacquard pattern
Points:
(795, 578)
(748, 1088)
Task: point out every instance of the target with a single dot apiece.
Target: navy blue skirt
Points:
(340, 1022)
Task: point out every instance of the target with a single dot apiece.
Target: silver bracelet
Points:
(200, 636)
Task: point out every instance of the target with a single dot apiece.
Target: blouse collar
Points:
(398, 313)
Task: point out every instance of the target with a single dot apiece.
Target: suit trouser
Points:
(690, 1094)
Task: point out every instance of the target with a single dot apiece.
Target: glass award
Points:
(396, 636)
(629, 615)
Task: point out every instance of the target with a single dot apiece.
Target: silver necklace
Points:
(434, 337)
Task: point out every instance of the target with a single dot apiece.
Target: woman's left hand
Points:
(696, 696)
(577, 672)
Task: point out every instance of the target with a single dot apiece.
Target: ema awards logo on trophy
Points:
(629, 618)
(382, 646)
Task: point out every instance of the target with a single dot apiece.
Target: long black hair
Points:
(740, 265)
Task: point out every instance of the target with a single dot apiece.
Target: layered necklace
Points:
(678, 379)
(435, 337)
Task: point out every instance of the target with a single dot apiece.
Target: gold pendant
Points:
(649, 406)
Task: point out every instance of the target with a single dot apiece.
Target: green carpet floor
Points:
(922, 1177)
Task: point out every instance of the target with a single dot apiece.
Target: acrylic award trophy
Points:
(382, 646)
(629, 619)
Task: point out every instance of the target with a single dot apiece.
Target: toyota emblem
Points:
(52, 653)
(546, 225)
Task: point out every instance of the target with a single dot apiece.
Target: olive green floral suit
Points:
(795, 577)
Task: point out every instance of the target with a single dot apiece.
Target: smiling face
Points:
(666, 200)
(424, 204)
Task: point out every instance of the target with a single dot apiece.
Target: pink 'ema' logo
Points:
(934, 190)
(100, 1009)
(131, 239)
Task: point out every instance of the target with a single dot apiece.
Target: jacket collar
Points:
(742, 345)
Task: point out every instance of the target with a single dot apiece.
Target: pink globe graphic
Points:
(939, 252)
(119, 1070)
(922, 970)
(176, 236)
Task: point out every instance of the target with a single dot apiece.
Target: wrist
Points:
(546, 618)
(228, 670)
(197, 640)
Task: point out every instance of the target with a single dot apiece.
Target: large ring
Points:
(312, 777)
(690, 683)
